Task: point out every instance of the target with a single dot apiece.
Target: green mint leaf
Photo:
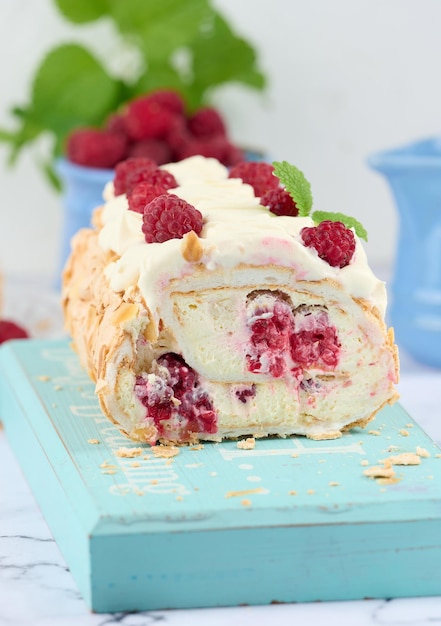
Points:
(295, 184)
(349, 222)
(71, 89)
(82, 11)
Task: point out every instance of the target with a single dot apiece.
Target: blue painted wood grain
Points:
(291, 520)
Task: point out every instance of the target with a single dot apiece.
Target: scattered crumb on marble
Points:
(44, 379)
(245, 502)
(247, 444)
(135, 464)
(393, 448)
(179, 498)
(293, 492)
(409, 425)
(333, 483)
(404, 432)
(310, 492)
(374, 432)
(93, 442)
(364, 462)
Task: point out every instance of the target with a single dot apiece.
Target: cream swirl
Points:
(237, 230)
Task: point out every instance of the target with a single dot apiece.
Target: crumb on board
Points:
(179, 498)
(409, 425)
(165, 452)
(135, 464)
(58, 388)
(310, 492)
(93, 442)
(293, 492)
(437, 456)
(404, 432)
(405, 458)
(44, 378)
(108, 465)
(334, 483)
(128, 453)
(379, 471)
(294, 455)
(199, 446)
(374, 432)
(364, 462)
(108, 471)
(388, 481)
(245, 502)
(244, 492)
(247, 444)
(422, 452)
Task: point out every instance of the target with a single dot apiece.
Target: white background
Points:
(346, 78)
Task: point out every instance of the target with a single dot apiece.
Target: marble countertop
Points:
(36, 587)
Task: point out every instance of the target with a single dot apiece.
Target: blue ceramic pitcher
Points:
(414, 175)
(82, 192)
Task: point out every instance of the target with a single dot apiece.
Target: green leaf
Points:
(350, 222)
(221, 56)
(295, 184)
(160, 27)
(83, 11)
(71, 89)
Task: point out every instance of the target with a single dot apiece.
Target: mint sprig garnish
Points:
(349, 222)
(296, 185)
(300, 191)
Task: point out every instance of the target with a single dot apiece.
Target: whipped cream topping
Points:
(237, 230)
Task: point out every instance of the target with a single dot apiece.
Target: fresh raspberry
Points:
(257, 174)
(215, 147)
(178, 135)
(279, 202)
(334, 242)
(147, 119)
(157, 150)
(168, 99)
(169, 217)
(130, 172)
(234, 155)
(10, 330)
(143, 193)
(115, 124)
(206, 122)
(175, 399)
(92, 147)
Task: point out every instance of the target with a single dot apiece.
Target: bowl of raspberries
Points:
(154, 126)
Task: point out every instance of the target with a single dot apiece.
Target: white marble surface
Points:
(36, 587)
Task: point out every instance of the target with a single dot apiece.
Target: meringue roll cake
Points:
(207, 303)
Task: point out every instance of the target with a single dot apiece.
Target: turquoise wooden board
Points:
(290, 520)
